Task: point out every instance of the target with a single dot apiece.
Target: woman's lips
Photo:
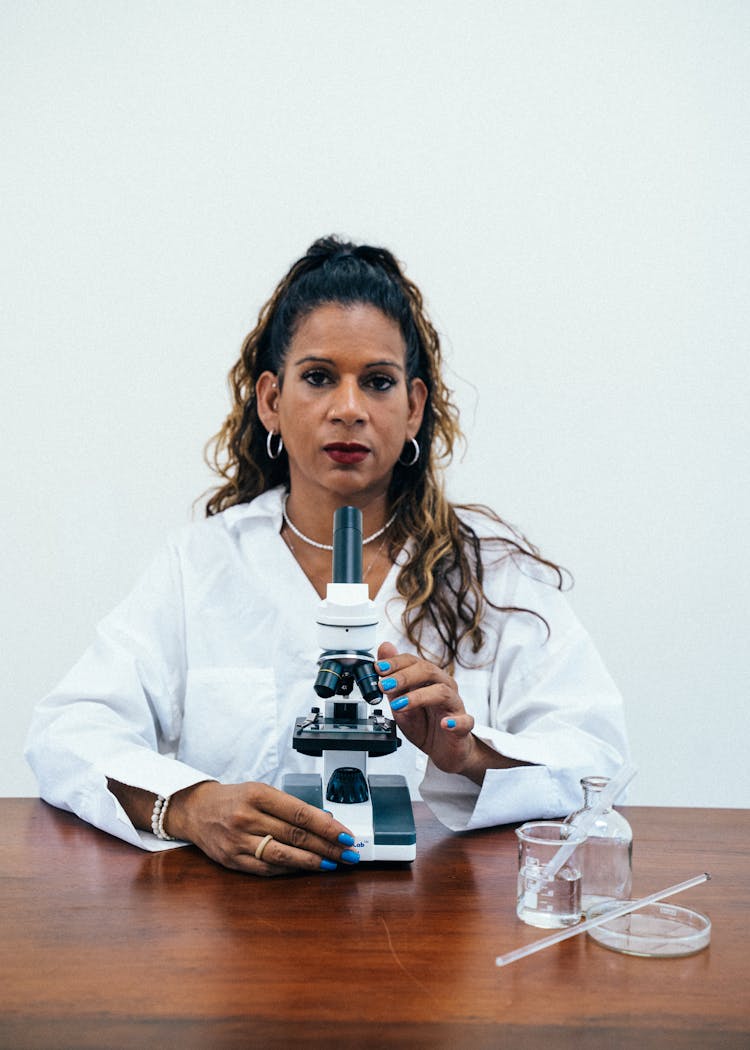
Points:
(344, 453)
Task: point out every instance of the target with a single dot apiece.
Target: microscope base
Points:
(383, 826)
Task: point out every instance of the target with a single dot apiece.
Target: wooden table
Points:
(104, 945)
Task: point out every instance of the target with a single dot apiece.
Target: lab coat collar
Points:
(267, 505)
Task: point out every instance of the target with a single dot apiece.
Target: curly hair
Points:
(441, 575)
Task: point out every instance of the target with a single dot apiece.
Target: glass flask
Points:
(607, 854)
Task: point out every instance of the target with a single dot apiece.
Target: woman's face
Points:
(342, 405)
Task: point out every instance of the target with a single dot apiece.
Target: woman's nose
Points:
(348, 403)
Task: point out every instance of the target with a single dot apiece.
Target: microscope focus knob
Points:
(347, 785)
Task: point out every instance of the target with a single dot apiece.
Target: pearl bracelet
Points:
(157, 818)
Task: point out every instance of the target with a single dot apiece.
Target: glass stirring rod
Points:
(613, 913)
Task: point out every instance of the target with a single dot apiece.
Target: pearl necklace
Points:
(329, 546)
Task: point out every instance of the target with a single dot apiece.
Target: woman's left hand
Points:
(428, 710)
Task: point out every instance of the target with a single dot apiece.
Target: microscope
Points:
(377, 808)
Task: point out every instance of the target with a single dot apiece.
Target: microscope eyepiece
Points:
(347, 545)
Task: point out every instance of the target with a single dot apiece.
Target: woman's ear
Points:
(267, 400)
(417, 401)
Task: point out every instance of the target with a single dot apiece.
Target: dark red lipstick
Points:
(346, 452)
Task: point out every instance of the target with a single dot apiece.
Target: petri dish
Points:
(655, 931)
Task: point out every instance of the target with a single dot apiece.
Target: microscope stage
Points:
(376, 737)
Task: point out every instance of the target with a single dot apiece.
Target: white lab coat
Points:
(202, 670)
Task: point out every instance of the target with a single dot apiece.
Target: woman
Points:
(176, 724)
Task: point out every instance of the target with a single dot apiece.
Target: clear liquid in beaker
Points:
(549, 903)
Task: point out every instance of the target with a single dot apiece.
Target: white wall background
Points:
(568, 182)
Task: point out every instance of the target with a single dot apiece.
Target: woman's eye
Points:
(381, 382)
(316, 377)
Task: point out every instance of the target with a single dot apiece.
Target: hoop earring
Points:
(414, 458)
(279, 447)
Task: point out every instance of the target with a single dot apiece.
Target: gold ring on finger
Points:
(260, 848)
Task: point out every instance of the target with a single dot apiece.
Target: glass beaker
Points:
(607, 855)
(549, 903)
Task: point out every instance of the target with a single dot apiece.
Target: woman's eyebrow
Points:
(314, 358)
(319, 359)
(387, 363)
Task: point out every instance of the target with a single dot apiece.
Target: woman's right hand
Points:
(229, 822)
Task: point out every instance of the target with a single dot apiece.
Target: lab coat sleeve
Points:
(118, 712)
(551, 704)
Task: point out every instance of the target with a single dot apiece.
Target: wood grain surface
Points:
(104, 945)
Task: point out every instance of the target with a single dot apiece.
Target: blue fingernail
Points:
(350, 855)
(388, 683)
(383, 665)
(346, 840)
(327, 865)
(451, 723)
(402, 701)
